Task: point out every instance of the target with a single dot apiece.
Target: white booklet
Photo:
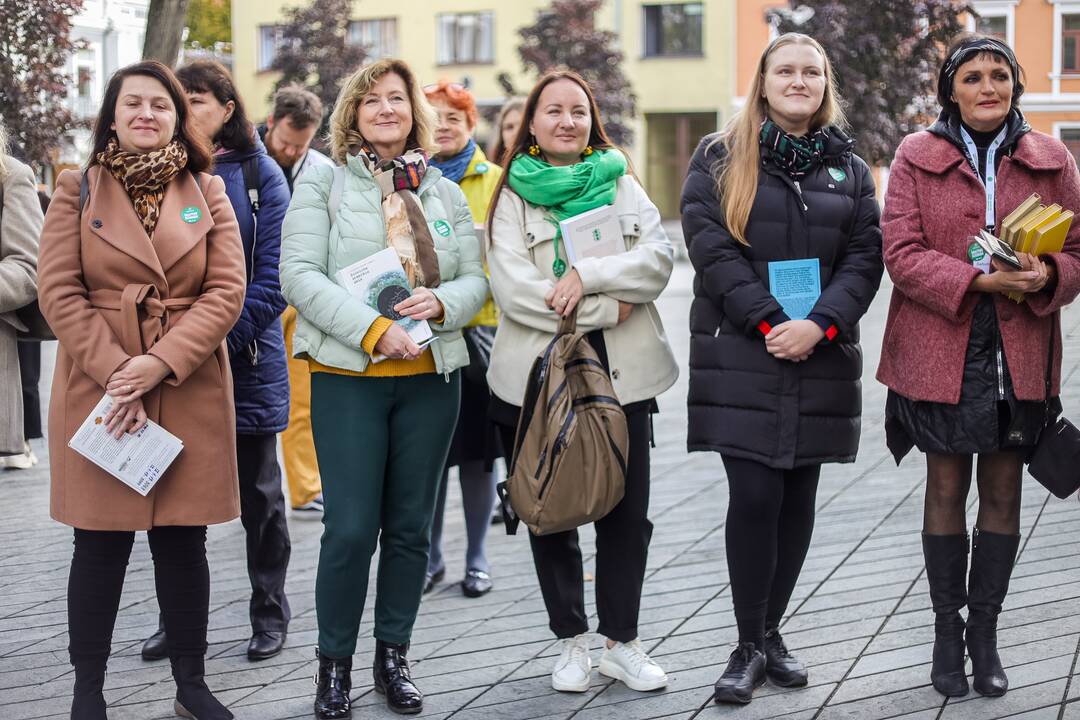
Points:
(379, 282)
(593, 233)
(137, 460)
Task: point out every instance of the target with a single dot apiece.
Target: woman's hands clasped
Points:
(794, 340)
(126, 387)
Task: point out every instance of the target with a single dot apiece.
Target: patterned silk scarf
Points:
(794, 155)
(406, 225)
(145, 176)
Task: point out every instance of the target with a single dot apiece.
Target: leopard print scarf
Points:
(145, 176)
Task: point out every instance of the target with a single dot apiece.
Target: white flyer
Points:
(594, 233)
(137, 460)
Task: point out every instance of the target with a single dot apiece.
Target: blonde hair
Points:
(343, 131)
(737, 176)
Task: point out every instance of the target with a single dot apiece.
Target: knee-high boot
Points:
(992, 558)
(946, 568)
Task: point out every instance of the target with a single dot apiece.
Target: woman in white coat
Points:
(564, 164)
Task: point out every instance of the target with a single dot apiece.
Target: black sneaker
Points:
(745, 671)
(781, 667)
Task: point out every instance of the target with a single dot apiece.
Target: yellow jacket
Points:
(479, 183)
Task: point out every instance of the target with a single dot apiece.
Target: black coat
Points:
(744, 402)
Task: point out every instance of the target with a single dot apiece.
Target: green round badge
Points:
(443, 228)
(191, 214)
(481, 168)
(838, 174)
(975, 252)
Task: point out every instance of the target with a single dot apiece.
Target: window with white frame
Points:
(993, 25)
(1070, 43)
(378, 37)
(465, 38)
(673, 29)
(995, 18)
(270, 39)
(1070, 135)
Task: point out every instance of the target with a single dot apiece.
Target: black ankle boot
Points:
(992, 558)
(391, 671)
(783, 668)
(89, 703)
(156, 646)
(193, 698)
(333, 683)
(946, 567)
(745, 671)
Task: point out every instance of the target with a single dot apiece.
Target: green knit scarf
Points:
(566, 191)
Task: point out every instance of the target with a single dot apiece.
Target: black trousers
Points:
(262, 512)
(96, 579)
(622, 549)
(30, 375)
(770, 523)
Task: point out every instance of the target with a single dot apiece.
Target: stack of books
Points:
(1035, 229)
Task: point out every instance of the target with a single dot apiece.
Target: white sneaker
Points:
(23, 461)
(629, 663)
(573, 667)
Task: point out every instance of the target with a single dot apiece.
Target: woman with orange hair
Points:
(475, 445)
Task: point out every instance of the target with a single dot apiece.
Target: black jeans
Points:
(622, 548)
(96, 579)
(262, 512)
(30, 375)
(770, 522)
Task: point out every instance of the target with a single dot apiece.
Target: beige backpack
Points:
(568, 463)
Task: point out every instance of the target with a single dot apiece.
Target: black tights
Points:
(948, 479)
(181, 577)
(770, 522)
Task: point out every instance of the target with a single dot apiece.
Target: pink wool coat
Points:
(934, 204)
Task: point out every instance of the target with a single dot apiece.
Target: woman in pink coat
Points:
(965, 365)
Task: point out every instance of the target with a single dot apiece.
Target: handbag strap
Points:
(1054, 320)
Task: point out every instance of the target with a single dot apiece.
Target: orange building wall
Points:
(1034, 44)
(752, 35)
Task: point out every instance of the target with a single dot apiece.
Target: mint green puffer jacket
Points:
(331, 322)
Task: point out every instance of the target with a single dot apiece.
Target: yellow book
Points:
(1017, 227)
(1022, 210)
(1050, 238)
(1026, 234)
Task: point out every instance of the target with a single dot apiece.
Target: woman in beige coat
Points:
(141, 285)
(20, 225)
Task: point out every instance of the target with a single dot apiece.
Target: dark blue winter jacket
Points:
(256, 345)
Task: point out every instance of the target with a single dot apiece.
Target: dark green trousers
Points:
(381, 445)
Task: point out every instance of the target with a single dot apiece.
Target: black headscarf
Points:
(965, 50)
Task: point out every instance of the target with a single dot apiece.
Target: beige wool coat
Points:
(110, 293)
(20, 226)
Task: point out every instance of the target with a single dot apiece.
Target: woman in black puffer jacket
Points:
(775, 388)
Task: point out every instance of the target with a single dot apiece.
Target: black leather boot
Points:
(946, 568)
(992, 558)
(89, 703)
(391, 671)
(333, 683)
(193, 698)
(780, 665)
(156, 646)
(745, 671)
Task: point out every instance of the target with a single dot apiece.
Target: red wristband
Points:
(764, 327)
(831, 333)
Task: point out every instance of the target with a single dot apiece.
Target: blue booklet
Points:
(796, 285)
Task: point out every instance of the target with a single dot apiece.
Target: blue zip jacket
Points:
(256, 345)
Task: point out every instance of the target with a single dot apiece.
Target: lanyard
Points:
(990, 182)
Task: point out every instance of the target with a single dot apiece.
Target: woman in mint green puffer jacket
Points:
(382, 431)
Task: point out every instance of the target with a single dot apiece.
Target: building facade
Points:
(113, 32)
(679, 57)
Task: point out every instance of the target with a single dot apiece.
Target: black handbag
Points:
(36, 327)
(1055, 462)
(479, 340)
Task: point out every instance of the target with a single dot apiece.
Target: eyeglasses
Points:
(449, 86)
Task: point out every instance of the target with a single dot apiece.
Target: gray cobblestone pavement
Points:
(860, 616)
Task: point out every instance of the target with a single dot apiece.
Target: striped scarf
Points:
(794, 155)
(406, 225)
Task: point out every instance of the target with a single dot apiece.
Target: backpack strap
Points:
(336, 188)
(250, 168)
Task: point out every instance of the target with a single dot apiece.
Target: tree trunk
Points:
(164, 28)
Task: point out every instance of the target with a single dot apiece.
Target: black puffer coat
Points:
(744, 402)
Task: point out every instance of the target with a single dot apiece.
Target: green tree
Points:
(209, 22)
(885, 61)
(565, 36)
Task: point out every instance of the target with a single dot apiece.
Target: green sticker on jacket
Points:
(838, 174)
(191, 214)
(443, 228)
